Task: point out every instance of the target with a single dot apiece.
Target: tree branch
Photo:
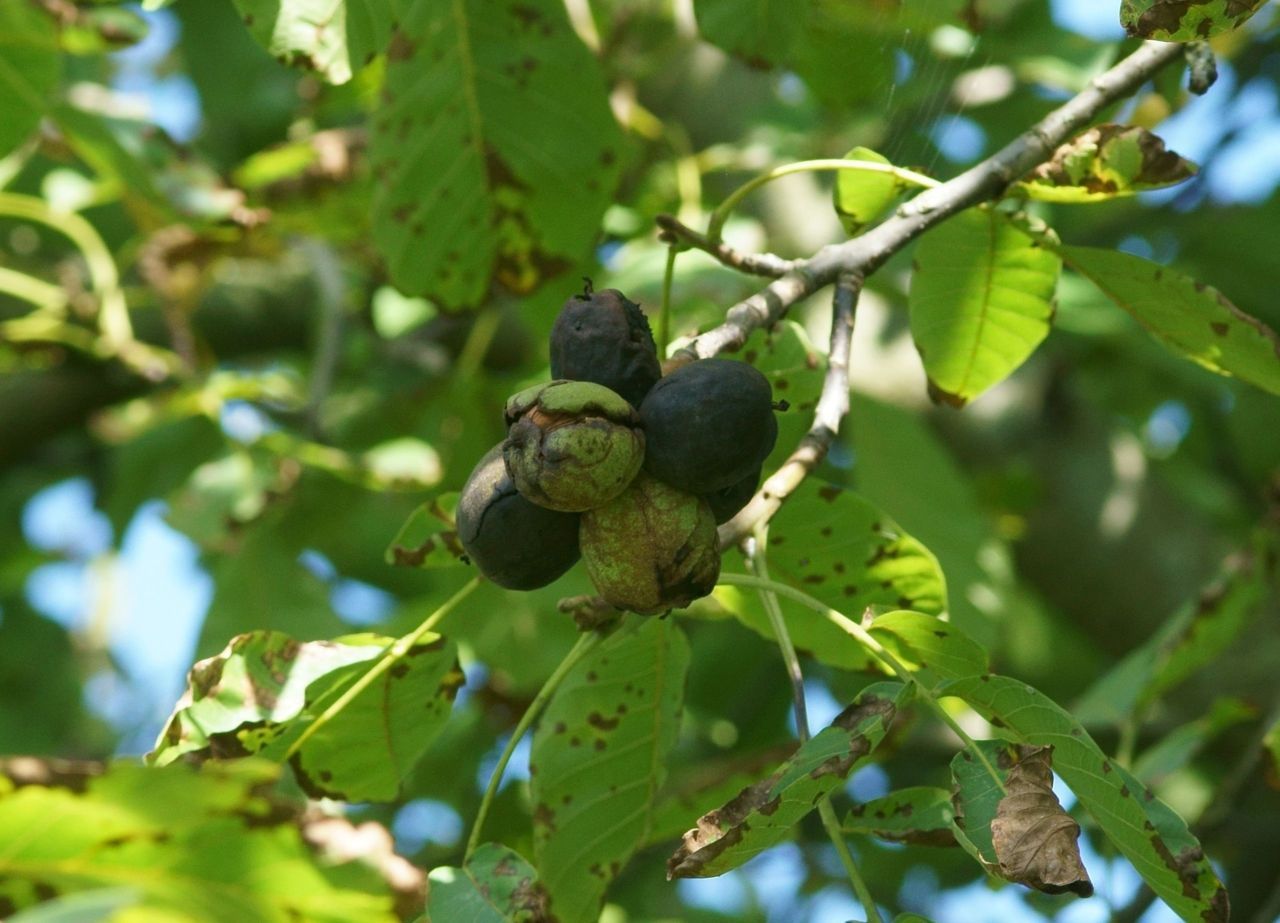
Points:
(833, 404)
(756, 264)
(987, 180)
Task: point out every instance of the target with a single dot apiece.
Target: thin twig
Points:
(833, 404)
(757, 264)
(987, 180)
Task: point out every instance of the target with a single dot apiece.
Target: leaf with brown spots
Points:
(1185, 20)
(179, 837)
(762, 814)
(1195, 635)
(1035, 840)
(495, 885)
(598, 760)
(1106, 162)
(265, 688)
(937, 650)
(1190, 318)
(494, 148)
(333, 38)
(794, 366)
(919, 815)
(427, 539)
(1144, 829)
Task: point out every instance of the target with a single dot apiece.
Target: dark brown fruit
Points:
(726, 503)
(605, 338)
(708, 425)
(515, 543)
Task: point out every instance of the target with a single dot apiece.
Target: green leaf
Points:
(1191, 638)
(181, 838)
(980, 302)
(1144, 829)
(937, 649)
(1184, 20)
(1189, 317)
(29, 69)
(1106, 162)
(862, 196)
(763, 814)
(919, 815)
(794, 367)
(976, 798)
(427, 539)
(494, 146)
(265, 689)
(837, 547)
(598, 758)
(368, 29)
(311, 34)
(1177, 748)
(760, 31)
(495, 885)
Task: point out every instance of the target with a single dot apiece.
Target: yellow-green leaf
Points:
(861, 196)
(1189, 317)
(981, 302)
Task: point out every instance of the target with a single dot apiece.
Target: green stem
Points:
(583, 645)
(394, 652)
(43, 295)
(664, 316)
(828, 815)
(863, 637)
(792, 660)
(721, 214)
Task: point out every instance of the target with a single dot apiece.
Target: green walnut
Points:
(516, 544)
(652, 549)
(708, 425)
(572, 445)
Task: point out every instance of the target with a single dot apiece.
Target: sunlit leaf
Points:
(981, 301)
(1191, 318)
(1184, 20)
(181, 839)
(598, 759)
(494, 885)
(861, 196)
(937, 649)
(1144, 829)
(763, 814)
(465, 194)
(837, 547)
(29, 68)
(265, 689)
(919, 815)
(311, 34)
(1106, 162)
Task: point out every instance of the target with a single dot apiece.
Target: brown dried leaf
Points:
(1034, 838)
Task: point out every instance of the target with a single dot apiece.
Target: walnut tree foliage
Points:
(1022, 521)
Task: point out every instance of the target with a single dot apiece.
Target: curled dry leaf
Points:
(1107, 161)
(1034, 838)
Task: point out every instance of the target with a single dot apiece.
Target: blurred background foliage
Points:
(242, 454)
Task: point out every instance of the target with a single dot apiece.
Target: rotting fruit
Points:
(726, 503)
(604, 337)
(652, 549)
(708, 425)
(572, 445)
(515, 543)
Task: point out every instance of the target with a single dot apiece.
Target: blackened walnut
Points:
(708, 425)
(605, 338)
(652, 549)
(726, 503)
(572, 445)
(515, 543)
